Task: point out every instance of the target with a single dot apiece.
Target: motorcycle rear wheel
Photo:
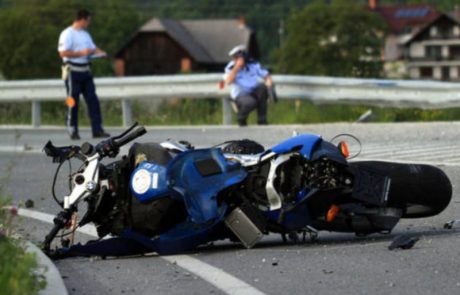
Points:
(419, 190)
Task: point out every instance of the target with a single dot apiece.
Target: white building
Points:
(434, 51)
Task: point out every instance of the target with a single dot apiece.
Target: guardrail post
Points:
(36, 114)
(226, 112)
(127, 112)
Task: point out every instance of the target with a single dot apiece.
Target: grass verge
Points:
(209, 111)
(18, 274)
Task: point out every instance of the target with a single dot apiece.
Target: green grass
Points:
(17, 267)
(209, 111)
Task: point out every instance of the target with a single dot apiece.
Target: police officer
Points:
(76, 47)
(245, 76)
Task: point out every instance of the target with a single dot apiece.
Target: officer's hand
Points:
(87, 51)
(239, 63)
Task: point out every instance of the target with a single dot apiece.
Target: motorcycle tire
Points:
(419, 190)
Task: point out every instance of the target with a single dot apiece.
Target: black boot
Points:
(75, 136)
(100, 134)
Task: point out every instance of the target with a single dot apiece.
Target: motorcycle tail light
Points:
(343, 147)
(332, 213)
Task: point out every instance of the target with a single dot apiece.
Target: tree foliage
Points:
(30, 29)
(337, 39)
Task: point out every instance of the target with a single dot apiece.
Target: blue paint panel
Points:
(200, 192)
(184, 236)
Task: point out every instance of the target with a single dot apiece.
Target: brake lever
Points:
(108, 148)
(60, 154)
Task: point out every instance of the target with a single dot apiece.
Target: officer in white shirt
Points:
(249, 82)
(76, 47)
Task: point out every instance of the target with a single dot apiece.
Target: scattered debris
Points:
(29, 203)
(451, 224)
(403, 242)
(366, 117)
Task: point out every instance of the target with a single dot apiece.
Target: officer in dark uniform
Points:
(76, 47)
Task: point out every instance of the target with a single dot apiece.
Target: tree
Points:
(29, 33)
(337, 39)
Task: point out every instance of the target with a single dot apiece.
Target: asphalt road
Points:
(336, 263)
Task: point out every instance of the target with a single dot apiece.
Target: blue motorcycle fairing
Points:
(327, 149)
(199, 175)
(304, 144)
(295, 219)
(184, 236)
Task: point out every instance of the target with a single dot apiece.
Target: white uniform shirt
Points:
(247, 78)
(75, 40)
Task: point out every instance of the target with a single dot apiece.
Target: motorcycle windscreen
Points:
(199, 175)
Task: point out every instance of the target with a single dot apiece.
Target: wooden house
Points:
(167, 46)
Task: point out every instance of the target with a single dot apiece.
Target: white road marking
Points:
(213, 275)
(414, 150)
(220, 279)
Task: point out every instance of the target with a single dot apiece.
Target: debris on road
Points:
(451, 224)
(29, 203)
(403, 242)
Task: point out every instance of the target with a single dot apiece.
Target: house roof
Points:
(401, 17)
(454, 17)
(207, 41)
(219, 36)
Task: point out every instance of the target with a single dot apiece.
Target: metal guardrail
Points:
(387, 93)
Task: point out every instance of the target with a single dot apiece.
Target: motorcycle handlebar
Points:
(111, 146)
(131, 136)
(51, 235)
(60, 222)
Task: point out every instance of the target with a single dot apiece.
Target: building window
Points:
(433, 31)
(433, 52)
(445, 73)
(426, 72)
(454, 52)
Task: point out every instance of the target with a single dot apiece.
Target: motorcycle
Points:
(170, 197)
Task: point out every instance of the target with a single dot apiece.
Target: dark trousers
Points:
(256, 99)
(82, 83)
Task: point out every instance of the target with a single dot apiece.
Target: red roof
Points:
(405, 18)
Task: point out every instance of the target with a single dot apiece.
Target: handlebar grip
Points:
(60, 221)
(135, 134)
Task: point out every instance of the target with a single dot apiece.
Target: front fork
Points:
(60, 221)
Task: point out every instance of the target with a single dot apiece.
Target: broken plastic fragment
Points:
(403, 242)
